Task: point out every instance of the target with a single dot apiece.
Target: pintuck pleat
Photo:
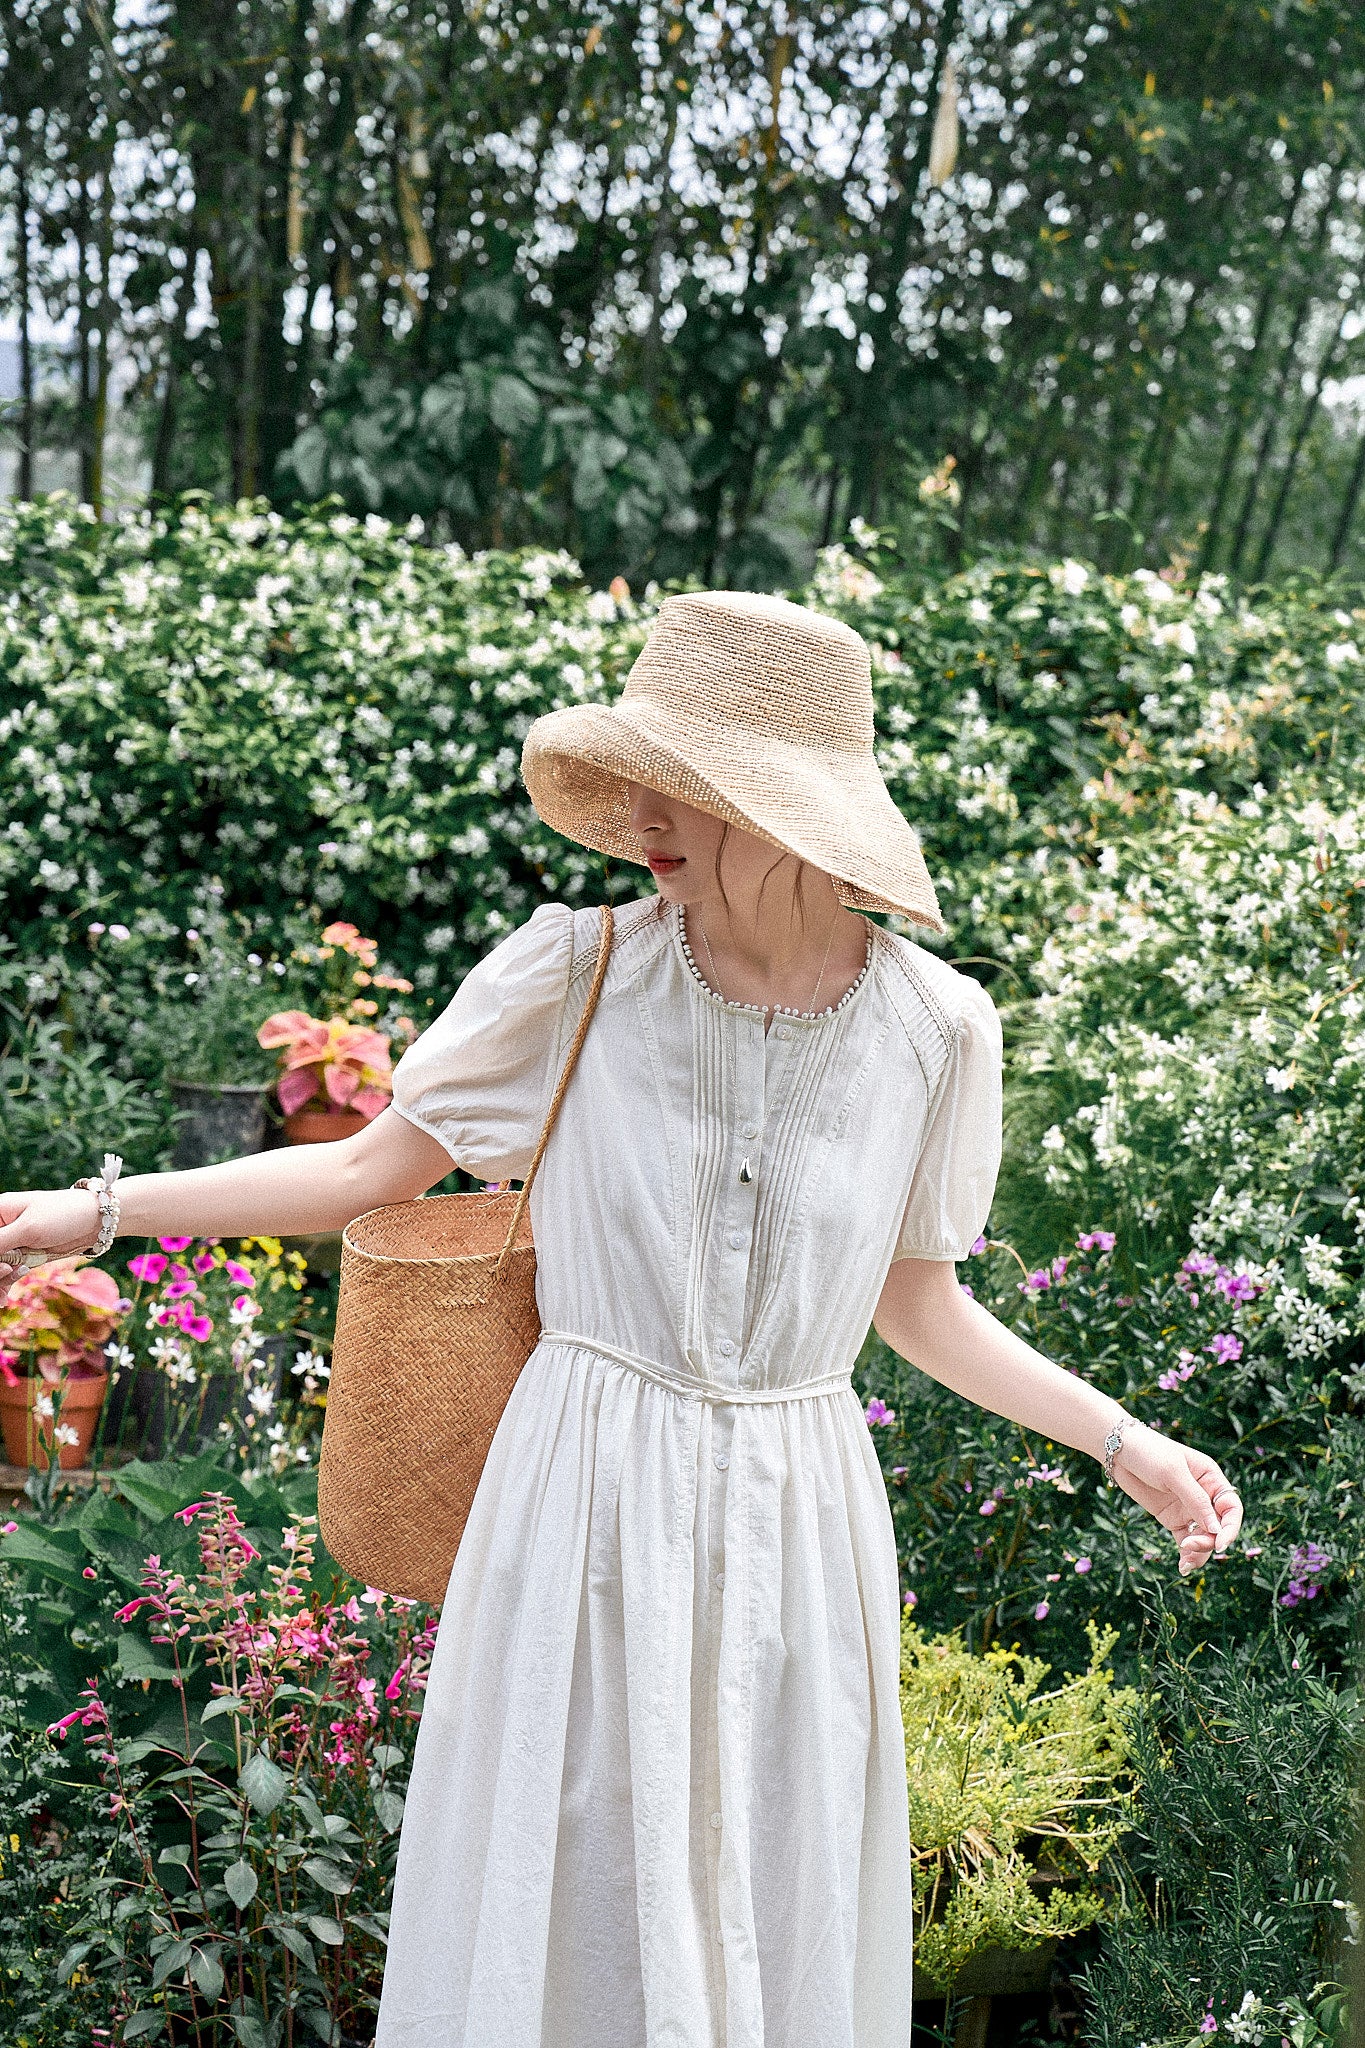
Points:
(658, 1796)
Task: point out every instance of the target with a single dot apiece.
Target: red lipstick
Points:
(664, 864)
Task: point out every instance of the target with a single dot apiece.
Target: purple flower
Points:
(1095, 1241)
(243, 1275)
(979, 1246)
(1058, 1268)
(899, 1471)
(911, 1600)
(147, 1266)
(878, 1414)
(1199, 1262)
(966, 1289)
(1208, 2025)
(1040, 1612)
(988, 1507)
(1082, 1564)
(1225, 1348)
(175, 1244)
(1236, 1286)
(1036, 1281)
(202, 1262)
(178, 1290)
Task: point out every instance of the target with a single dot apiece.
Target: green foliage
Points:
(226, 1689)
(1015, 1792)
(1233, 1877)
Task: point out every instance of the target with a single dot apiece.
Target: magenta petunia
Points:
(243, 1275)
(198, 1327)
(147, 1266)
(202, 1262)
(177, 1290)
(175, 1244)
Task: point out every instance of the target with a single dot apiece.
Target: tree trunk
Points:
(170, 394)
(26, 420)
(1348, 506)
(1301, 432)
(99, 415)
(83, 437)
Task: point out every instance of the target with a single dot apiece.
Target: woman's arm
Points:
(925, 1316)
(294, 1192)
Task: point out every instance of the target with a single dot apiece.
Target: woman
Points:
(658, 1795)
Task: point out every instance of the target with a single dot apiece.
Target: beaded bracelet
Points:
(101, 1185)
(1112, 1443)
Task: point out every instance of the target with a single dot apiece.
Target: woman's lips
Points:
(664, 864)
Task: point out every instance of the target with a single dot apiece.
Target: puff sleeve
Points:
(480, 1077)
(955, 1174)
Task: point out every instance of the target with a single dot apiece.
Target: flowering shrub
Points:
(57, 1319)
(246, 1717)
(208, 1329)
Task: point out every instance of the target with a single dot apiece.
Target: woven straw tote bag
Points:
(436, 1317)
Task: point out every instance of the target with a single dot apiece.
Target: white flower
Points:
(261, 1400)
(43, 1407)
(1340, 652)
(1245, 2024)
(1052, 1140)
(1279, 1078)
(65, 1434)
(1069, 576)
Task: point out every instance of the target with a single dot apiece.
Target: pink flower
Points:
(202, 1262)
(127, 1613)
(1095, 1241)
(243, 1275)
(979, 1246)
(1082, 1564)
(878, 1414)
(988, 1507)
(177, 1290)
(187, 1515)
(90, 1572)
(147, 1266)
(1226, 1349)
(911, 1600)
(1036, 1281)
(1040, 1612)
(175, 1244)
(1058, 1268)
(9, 1529)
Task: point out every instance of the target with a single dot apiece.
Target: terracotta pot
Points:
(321, 1126)
(28, 1438)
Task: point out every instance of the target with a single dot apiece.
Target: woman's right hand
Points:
(54, 1221)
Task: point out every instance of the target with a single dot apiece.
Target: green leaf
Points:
(240, 1880)
(386, 1755)
(263, 1782)
(169, 1961)
(298, 1945)
(73, 1958)
(326, 1929)
(389, 1806)
(140, 2026)
(321, 2022)
(250, 2033)
(329, 1875)
(141, 1746)
(34, 1548)
(206, 1973)
(226, 1703)
(175, 1852)
(138, 1659)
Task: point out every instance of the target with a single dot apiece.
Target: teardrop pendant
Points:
(744, 1172)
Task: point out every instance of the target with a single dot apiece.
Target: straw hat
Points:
(757, 711)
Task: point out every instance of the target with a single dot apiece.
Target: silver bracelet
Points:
(101, 1186)
(1113, 1442)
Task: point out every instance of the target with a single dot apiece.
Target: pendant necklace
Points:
(745, 1169)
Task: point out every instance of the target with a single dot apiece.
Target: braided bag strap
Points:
(566, 1074)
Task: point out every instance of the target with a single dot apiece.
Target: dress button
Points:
(726, 1348)
(715, 1820)
(749, 1131)
(736, 1240)
(722, 1462)
(784, 1031)
(720, 1578)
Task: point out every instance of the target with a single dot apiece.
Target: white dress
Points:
(658, 1797)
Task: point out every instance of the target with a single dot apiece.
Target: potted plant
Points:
(53, 1376)
(336, 1070)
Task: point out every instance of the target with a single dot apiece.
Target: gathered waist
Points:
(699, 1390)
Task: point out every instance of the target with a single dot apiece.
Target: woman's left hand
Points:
(1185, 1489)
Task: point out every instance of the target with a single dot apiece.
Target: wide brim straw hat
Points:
(757, 711)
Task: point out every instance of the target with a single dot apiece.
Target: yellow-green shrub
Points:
(1011, 1788)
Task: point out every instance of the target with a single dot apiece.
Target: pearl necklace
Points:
(761, 1009)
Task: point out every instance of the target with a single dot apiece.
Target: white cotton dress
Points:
(658, 1797)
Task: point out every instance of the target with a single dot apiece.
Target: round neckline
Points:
(779, 1010)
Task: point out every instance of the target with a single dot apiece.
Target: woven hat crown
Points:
(759, 663)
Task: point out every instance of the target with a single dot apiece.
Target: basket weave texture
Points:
(436, 1318)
